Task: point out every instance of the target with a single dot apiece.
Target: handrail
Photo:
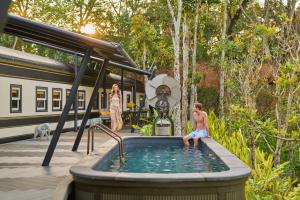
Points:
(115, 134)
(109, 132)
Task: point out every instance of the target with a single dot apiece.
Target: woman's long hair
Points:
(113, 91)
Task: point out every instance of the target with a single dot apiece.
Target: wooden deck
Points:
(21, 173)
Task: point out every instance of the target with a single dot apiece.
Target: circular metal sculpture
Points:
(163, 93)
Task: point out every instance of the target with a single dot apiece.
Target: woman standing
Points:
(115, 108)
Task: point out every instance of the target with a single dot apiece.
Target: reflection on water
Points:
(164, 158)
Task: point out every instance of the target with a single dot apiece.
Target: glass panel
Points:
(96, 102)
(128, 98)
(80, 95)
(40, 104)
(80, 104)
(56, 94)
(103, 100)
(15, 92)
(41, 94)
(15, 104)
(56, 104)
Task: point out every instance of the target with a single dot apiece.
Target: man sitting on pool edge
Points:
(200, 125)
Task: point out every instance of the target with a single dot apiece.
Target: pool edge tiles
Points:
(230, 183)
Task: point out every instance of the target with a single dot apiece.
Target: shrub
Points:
(266, 182)
(209, 98)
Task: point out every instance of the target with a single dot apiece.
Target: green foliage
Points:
(145, 130)
(295, 194)
(235, 142)
(264, 103)
(261, 29)
(209, 98)
(143, 28)
(189, 127)
(266, 182)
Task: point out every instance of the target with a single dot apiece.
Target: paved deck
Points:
(21, 174)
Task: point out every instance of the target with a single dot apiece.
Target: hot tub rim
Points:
(237, 168)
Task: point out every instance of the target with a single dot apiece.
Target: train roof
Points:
(15, 57)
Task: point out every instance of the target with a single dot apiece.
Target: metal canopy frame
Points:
(142, 104)
(89, 107)
(89, 48)
(26, 28)
(3, 13)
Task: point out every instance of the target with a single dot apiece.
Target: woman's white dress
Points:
(115, 113)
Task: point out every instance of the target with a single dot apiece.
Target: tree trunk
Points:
(193, 98)
(282, 125)
(185, 69)
(15, 43)
(144, 56)
(222, 71)
(144, 60)
(176, 46)
(235, 17)
(265, 38)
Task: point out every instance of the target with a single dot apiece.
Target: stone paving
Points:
(21, 174)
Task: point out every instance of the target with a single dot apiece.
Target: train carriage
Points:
(34, 90)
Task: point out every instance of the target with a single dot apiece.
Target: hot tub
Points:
(160, 168)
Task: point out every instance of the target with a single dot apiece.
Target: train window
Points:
(67, 95)
(15, 98)
(56, 99)
(41, 99)
(96, 102)
(104, 100)
(81, 99)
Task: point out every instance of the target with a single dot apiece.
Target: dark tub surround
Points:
(226, 183)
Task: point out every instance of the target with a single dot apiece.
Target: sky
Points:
(261, 2)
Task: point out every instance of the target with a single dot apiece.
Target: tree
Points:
(222, 73)
(175, 34)
(185, 69)
(193, 97)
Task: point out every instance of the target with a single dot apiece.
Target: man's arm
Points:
(194, 120)
(206, 124)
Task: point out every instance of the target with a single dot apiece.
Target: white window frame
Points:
(79, 100)
(18, 99)
(59, 100)
(45, 99)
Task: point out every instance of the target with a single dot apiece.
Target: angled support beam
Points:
(70, 100)
(89, 107)
(137, 116)
(75, 103)
(134, 90)
(3, 13)
(122, 88)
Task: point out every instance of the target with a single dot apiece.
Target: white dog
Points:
(95, 121)
(42, 130)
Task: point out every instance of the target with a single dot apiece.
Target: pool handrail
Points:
(116, 135)
(109, 132)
